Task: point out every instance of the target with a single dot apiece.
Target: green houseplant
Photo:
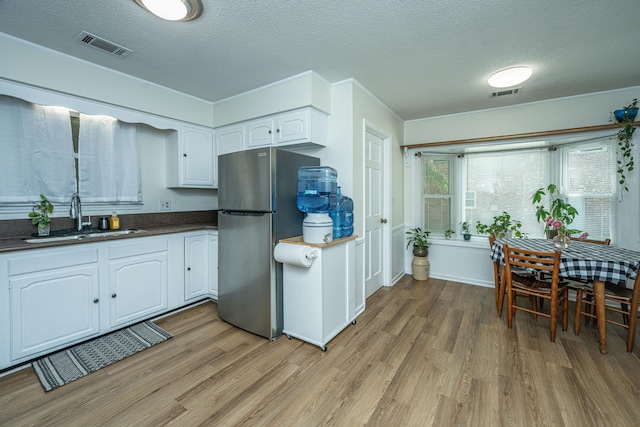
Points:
(40, 215)
(502, 226)
(466, 233)
(625, 162)
(558, 209)
(419, 239)
(449, 233)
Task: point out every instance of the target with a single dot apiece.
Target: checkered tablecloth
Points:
(581, 260)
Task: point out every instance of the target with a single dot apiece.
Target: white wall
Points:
(37, 66)
(564, 113)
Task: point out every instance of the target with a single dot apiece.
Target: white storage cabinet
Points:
(54, 299)
(191, 158)
(316, 300)
(138, 284)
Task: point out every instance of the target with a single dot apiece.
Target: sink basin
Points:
(75, 235)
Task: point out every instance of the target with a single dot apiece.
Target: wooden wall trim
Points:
(519, 135)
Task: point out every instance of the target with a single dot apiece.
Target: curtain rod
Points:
(520, 135)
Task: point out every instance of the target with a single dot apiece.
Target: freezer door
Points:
(245, 180)
(248, 295)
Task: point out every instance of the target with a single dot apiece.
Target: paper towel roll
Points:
(299, 255)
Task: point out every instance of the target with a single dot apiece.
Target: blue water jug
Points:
(342, 216)
(317, 186)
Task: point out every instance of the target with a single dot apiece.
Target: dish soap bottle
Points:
(114, 221)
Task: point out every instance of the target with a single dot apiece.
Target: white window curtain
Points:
(36, 152)
(108, 161)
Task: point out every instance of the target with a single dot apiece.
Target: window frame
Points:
(557, 173)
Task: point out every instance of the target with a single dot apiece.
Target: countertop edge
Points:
(16, 244)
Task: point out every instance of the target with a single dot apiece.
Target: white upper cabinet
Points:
(230, 139)
(260, 133)
(305, 126)
(191, 158)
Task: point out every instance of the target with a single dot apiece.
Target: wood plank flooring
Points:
(422, 354)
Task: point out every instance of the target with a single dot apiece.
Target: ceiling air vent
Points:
(102, 44)
(505, 92)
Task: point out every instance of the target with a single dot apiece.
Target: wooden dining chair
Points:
(619, 294)
(597, 242)
(499, 284)
(556, 293)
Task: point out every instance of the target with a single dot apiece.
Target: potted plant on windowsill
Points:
(449, 234)
(558, 210)
(466, 233)
(420, 265)
(40, 215)
(502, 226)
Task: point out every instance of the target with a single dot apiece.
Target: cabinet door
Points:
(53, 308)
(292, 127)
(197, 157)
(230, 139)
(196, 266)
(260, 133)
(137, 287)
(213, 265)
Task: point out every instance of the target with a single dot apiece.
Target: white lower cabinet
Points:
(320, 301)
(137, 280)
(55, 297)
(52, 308)
(196, 266)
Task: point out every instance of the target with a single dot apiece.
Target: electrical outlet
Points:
(165, 205)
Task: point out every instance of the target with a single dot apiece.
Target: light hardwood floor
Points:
(423, 353)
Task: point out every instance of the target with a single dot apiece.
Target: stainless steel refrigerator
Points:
(257, 207)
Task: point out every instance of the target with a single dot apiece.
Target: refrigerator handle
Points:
(243, 213)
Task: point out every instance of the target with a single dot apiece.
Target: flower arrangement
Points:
(558, 210)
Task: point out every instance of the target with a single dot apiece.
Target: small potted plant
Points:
(502, 226)
(40, 215)
(449, 234)
(558, 209)
(466, 233)
(419, 239)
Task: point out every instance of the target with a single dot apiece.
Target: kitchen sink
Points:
(63, 235)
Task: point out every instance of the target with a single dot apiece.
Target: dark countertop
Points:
(150, 224)
(19, 243)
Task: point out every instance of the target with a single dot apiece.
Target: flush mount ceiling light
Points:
(173, 10)
(510, 76)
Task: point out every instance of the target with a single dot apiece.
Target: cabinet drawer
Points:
(146, 246)
(42, 260)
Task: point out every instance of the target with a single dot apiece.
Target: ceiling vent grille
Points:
(505, 92)
(103, 44)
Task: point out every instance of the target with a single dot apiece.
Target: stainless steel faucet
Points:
(76, 212)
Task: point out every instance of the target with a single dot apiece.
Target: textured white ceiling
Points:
(420, 58)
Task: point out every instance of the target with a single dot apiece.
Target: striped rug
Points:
(68, 365)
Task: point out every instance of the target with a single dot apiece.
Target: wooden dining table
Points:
(583, 260)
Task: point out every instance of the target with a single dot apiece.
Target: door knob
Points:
(383, 220)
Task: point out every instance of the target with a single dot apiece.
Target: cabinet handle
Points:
(188, 268)
(184, 155)
(269, 131)
(383, 220)
(96, 300)
(113, 295)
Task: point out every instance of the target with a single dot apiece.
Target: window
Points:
(505, 181)
(437, 193)
(52, 151)
(491, 182)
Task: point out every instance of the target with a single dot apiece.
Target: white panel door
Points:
(374, 220)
